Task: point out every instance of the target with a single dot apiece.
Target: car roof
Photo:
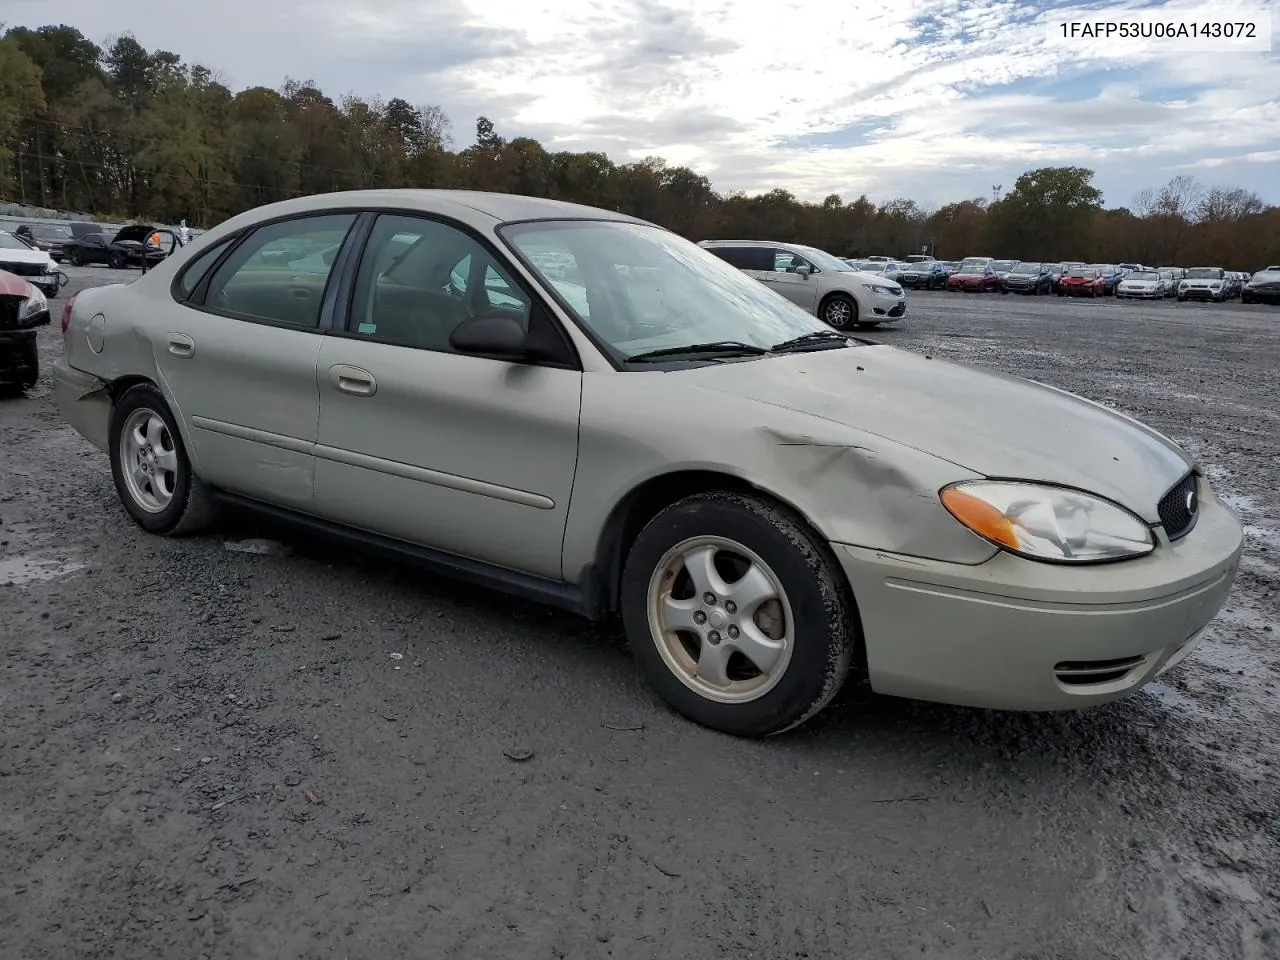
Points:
(752, 243)
(471, 206)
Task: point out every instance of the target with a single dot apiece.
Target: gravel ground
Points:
(205, 753)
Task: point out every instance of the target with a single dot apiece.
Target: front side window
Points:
(279, 273)
(419, 279)
(639, 288)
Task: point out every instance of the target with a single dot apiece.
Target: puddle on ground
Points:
(20, 571)
(1170, 697)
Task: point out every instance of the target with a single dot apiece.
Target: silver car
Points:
(842, 294)
(586, 409)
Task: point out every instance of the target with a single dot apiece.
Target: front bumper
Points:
(83, 401)
(19, 357)
(885, 309)
(1201, 293)
(1139, 294)
(1012, 634)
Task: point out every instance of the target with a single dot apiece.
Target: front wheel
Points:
(115, 261)
(737, 614)
(840, 311)
(149, 464)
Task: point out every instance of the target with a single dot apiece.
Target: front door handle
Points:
(353, 380)
(181, 346)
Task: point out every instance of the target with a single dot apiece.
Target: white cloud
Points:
(937, 99)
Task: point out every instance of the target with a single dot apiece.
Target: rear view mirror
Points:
(495, 336)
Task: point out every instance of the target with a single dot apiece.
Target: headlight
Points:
(1041, 522)
(877, 288)
(1215, 285)
(35, 304)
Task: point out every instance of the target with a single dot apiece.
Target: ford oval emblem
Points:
(1192, 503)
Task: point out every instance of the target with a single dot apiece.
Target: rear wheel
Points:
(115, 261)
(840, 311)
(737, 614)
(77, 258)
(149, 464)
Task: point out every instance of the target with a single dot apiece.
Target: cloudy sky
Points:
(936, 100)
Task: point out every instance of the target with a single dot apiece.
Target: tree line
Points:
(121, 132)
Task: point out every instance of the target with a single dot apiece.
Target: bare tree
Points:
(1227, 205)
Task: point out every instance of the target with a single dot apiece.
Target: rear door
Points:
(239, 357)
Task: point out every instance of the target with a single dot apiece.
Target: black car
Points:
(1033, 278)
(1263, 287)
(22, 309)
(925, 275)
(49, 237)
(137, 245)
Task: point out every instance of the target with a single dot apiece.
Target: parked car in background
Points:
(34, 265)
(1001, 268)
(816, 281)
(918, 258)
(1082, 282)
(1234, 284)
(23, 308)
(1263, 287)
(825, 504)
(1170, 282)
(925, 275)
(1177, 273)
(1143, 285)
(889, 269)
(974, 275)
(1203, 283)
(48, 237)
(131, 246)
(1111, 276)
(1032, 278)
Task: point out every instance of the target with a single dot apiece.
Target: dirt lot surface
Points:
(207, 753)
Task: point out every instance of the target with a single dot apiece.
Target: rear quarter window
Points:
(195, 271)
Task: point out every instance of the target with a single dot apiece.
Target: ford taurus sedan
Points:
(583, 408)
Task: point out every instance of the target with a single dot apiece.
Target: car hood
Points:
(988, 423)
(23, 256)
(13, 286)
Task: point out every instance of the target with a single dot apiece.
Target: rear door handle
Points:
(182, 346)
(353, 380)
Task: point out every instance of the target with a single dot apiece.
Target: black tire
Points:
(190, 507)
(824, 623)
(115, 261)
(832, 305)
(77, 258)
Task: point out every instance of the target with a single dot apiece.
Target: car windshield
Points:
(1002, 265)
(640, 288)
(1268, 275)
(920, 266)
(1027, 269)
(49, 231)
(1204, 273)
(1083, 272)
(973, 266)
(10, 242)
(1143, 275)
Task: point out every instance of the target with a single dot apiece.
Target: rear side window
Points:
(745, 258)
(197, 268)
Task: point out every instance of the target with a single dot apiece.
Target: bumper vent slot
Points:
(1083, 673)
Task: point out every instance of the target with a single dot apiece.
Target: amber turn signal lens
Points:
(980, 517)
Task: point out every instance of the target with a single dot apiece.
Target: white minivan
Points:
(824, 285)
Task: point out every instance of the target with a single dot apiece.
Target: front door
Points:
(468, 455)
(786, 279)
(240, 367)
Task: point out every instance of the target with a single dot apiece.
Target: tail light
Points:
(66, 314)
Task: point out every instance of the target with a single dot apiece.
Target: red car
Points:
(974, 275)
(22, 309)
(1082, 282)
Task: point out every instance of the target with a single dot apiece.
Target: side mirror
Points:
(495, 336)
(804, 269)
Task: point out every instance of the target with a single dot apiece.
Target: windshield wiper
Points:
(727, 348)
(804, 340)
